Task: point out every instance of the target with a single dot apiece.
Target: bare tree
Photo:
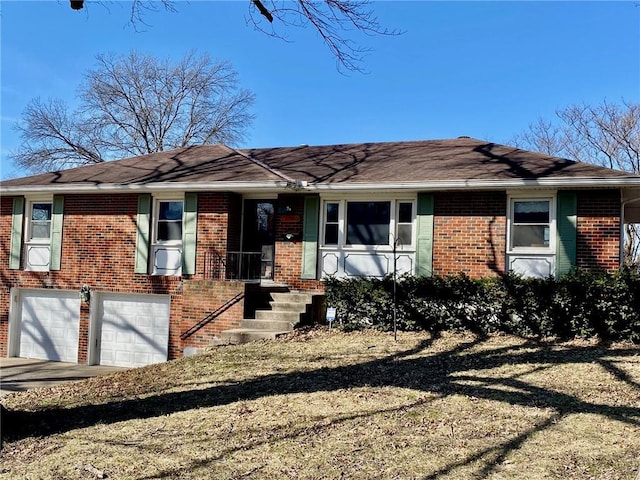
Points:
(332, 19)
(607, 134)
(132, 105)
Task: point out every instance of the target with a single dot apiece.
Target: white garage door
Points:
(134, 329)
(49, 325)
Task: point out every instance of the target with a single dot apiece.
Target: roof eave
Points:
(273, 186)
(574, 183)
(282, 186)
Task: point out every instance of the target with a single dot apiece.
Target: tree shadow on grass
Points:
(457, 371)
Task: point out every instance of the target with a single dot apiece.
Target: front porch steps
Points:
(286, 311)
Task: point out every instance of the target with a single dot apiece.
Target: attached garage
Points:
(131, 330)
(46, 325)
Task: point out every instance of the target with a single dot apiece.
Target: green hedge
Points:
(579, 304)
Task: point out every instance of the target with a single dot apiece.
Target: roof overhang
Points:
(565, 183)
(240, 187)
(627, 183)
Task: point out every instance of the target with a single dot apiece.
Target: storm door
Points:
(258, 239)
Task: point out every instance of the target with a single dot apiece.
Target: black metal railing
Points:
(237, 266)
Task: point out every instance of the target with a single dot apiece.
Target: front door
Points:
(258, 239)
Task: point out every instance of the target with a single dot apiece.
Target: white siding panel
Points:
(529, 266)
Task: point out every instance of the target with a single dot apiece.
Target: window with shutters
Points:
(167, 236)
(37, 241)
(169, 222)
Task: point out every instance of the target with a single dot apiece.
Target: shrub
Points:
(579, 304)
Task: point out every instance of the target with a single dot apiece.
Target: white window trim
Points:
(413, 223)
(323, 225)
(163, 245)
(38, 243)
(393, 222)
(30, 202)
(551, 197)
(155, 218)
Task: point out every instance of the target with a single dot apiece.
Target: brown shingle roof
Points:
(421, 161)
(462, 159)
(204, 163)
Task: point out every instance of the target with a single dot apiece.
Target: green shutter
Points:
(16, 232)
(566, 223)
(189, 224)
(424, 246)
(142, 240)
(56, 232)
(310, 238)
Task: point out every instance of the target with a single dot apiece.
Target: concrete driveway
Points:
(20, 374)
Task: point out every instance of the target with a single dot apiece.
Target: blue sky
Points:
(483, 69)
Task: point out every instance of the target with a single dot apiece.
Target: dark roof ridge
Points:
(382, 142)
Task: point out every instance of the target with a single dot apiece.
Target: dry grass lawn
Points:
(329, 405)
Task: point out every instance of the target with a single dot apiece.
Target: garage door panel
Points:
(49, 325)
(135, 329)
(124, 358)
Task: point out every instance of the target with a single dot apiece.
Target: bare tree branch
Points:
(263, 11)
(334, 20)
(133, 105)
(50, 139)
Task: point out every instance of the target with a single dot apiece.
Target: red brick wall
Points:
(6, 207)
(598, 244)
(469, 233)
(98, 249)
(218, 228)
(99, 236)
(288, 253)
(204, 297)
(213, 217)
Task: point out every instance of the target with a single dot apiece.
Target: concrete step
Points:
(276, 325)
(292, 317)
(286, 309)
(298, 307)
(292, 297)
(237, 336)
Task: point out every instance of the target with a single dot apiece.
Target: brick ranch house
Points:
(138, 260)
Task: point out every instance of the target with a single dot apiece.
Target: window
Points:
(404, 234)
(530, 224)
(169, 227)
(167, 245)
(368, 223)
(332, 224)
(40, 222)
(37, 241)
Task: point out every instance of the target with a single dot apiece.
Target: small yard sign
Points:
(331, 315)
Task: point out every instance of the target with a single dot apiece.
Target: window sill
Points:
(531, 251)
(36, 269)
